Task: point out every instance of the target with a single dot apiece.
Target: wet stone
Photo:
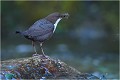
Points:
(38, 67)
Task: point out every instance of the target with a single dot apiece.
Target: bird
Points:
(43, 29)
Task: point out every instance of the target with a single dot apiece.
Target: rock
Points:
(39, 67)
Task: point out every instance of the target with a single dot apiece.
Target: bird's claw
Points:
(41, 56)
(35, 55)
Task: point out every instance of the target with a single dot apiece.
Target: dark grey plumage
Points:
(43, 29)
(40, 31)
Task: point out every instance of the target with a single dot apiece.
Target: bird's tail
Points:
(18, 32)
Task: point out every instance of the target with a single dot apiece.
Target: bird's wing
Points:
(39, 28)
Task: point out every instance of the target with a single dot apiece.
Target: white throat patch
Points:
(55, 25)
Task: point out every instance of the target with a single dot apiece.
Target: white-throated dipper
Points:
(43, 29)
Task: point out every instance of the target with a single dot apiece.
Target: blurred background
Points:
(88, 40)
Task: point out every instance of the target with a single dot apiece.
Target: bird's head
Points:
(55, 16)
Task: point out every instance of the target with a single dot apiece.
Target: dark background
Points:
(88, 40)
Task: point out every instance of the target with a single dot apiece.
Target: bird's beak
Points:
(65, 15)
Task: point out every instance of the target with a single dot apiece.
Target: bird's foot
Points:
(35, 55)
(43, 56)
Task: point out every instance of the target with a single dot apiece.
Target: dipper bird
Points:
(43, 29)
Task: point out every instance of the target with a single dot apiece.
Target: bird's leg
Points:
(42, 49)
(34, 47)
